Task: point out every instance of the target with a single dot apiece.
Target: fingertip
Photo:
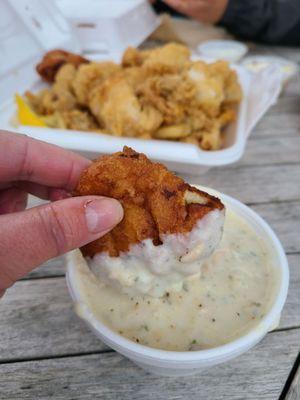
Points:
(102, 214)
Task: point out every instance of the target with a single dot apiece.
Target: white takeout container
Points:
(230, 50)
(181, 157)
(174, 363)
(110, 26)
(25, 38)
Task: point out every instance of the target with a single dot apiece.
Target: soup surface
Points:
(233, 292)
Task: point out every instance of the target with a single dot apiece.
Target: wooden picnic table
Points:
(46, 351)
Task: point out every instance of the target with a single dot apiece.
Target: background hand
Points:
(207, 11)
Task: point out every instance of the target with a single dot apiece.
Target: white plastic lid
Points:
(27, 30)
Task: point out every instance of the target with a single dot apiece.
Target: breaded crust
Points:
(54, 59)
(155, 201)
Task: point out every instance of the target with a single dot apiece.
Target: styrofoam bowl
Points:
(175, 363)
(229, 50)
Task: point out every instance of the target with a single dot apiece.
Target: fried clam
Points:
(89, 76)
(115, 106)
(169, 227)
(53, 60)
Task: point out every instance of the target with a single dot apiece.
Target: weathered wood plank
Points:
(282, 118)
(52, 268)
(37, 319)
(290, 316)
(254, 184)
(284, 218)
(262, 150)
(110, 376)
(294, 390)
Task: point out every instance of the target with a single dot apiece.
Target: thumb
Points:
(31, 237)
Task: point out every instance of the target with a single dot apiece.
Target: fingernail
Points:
(102, 214)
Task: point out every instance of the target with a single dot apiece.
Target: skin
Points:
(33, 236)
(207, 11)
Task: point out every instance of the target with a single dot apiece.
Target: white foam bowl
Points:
(175, 363)
(229, 50)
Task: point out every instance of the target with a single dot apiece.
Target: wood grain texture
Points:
(284, 219)
(51, 268)
(258, 374)
(263, 150)
(37, 319)
(294, 390)
(254, 184)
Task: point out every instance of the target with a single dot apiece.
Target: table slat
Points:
(259, 374)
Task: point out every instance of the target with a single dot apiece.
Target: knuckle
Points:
(55, 230)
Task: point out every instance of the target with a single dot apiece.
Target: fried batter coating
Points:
(59, 97)
(91, 75)
(53, 60)
(170, 94)
(77, 120)
(115, 106)
(158, 93)
(155, 201)
(172, 57)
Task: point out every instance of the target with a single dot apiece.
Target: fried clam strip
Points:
(155, 201)
(54, 59)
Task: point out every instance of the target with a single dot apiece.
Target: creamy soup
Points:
(233, 292)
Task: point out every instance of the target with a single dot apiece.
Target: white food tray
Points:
(181, 157)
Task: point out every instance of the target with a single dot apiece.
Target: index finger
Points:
(25, 159)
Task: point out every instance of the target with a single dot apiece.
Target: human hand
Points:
(30, 237)
(208, 11)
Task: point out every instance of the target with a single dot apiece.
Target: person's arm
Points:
(269, 21)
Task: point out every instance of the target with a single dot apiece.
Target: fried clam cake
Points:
(169, 227)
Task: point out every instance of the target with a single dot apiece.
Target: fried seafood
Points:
(172, 57)
(53, 60)
(90, 76)
(116, 107)
(157, 93)
(168, 229)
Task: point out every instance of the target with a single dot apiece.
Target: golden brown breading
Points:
(54, 59)
(232, 90)
(115, 106)
(133, 57)
(158, 93)
(90, 76)
(172, 57)
(170, 94)
(77, 120)
(155, 201)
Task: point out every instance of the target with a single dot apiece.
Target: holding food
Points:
(154, 94)
(166, 276)
(169, 227)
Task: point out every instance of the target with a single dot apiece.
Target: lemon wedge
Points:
(25, 114)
